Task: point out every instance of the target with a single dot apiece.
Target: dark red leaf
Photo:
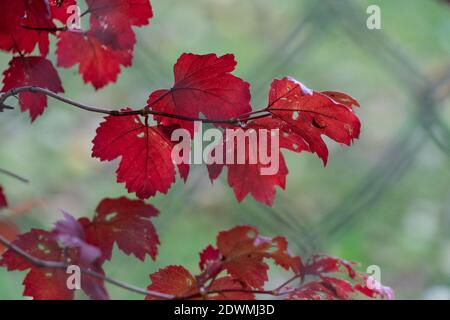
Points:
(248, 178)
(203, 84)
(209, 256)
(332, 284)
(132, 12)
(178, 281)
(112, 20)
(30, 13)
(71, 234)
(115, 39)
(125, 222)
(109, 43)
(301, 117)
(311, 114)
(244, 251)
(146, 166)
(99, 64)
(174, 280)
(32, 71)
(44, 283)
(378, 291)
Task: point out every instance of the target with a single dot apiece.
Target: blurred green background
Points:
(385, 201)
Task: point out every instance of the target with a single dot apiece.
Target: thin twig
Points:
(275, 292)
(44, 29)
(13, 175)
(143, 112)
(237, 121)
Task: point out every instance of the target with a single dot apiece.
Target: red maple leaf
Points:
(243, 252)
(18, 17)
(108, 44)
(329, 281)
(174, 280)
(208, 257)
(32, 71)
(301, 116)
(99, 63)
(50, 283)
(146, 166)
(125, 222)
(178, 281)
(3, 202)
(310, 114)
(129, 12)
(116, 37)
(203, 84)
(112, 20)
(248, 178)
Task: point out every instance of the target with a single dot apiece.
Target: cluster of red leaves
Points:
(86, 243)
(327, 281)
(100, 51)
(237, 269)
(205, 86)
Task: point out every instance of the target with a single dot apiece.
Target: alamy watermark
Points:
(231, 146)
(74, 280)
(74, 20)
(374, 20)
(373, 282)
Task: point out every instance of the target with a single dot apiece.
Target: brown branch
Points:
(277, 292)
(273, 293)
(44, 29)
(237, 121)
(85, 13)
(143, 112)
(207, 277)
